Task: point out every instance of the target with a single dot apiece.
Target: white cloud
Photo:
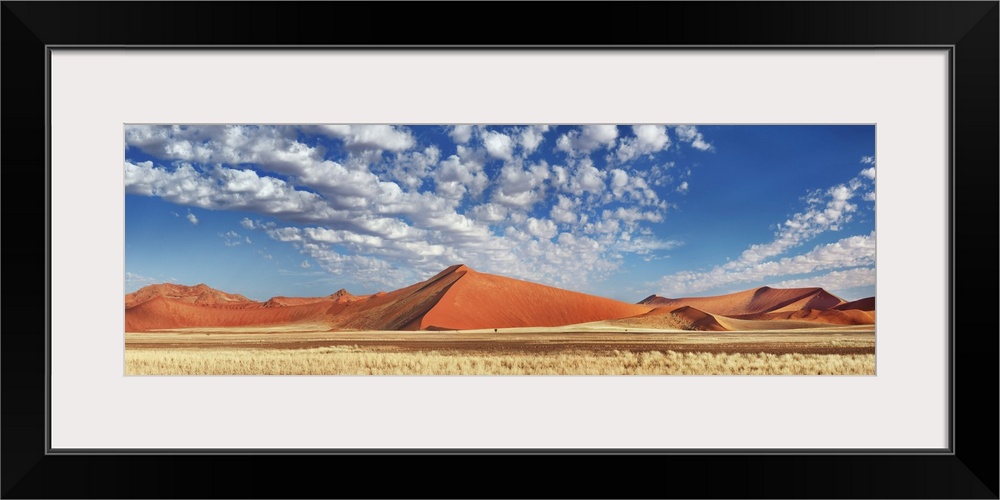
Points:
(225, 189)
(191, 218)
(869, 173)
(305, 264)
(232, 238)
(819, 217)
(648, 139)
(541, 228)
(531, 137)
(587, 139)
(461, 133)
(645, 246)
(565, 210)
(853, 251)
(631, 215)
(519, 187)
(868, 160)
(370, 137)
(454, 178)
(691, 135)
(683, 187)
(489, 212)
(410, 169)
(247, 223)
(619, 179)
(836, 282)
(498, 145)
(586, 179)
(826, 210)
(560, 176)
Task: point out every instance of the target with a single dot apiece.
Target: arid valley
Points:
(463, 322)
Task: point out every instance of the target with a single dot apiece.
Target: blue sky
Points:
(620, 211)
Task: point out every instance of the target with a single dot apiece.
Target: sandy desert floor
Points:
(588, 349)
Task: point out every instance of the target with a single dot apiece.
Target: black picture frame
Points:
(968, 470)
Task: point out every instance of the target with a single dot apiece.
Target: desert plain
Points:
(463, 322)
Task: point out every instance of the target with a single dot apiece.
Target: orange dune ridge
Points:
(200, 294)
(865, 304)
(688, 317)
(755, 301)
(460, 298)
(766, 303)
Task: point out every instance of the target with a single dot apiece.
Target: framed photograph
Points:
(332, 249)
(377, 249)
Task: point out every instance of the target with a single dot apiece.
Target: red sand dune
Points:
(478, 300)
(689, 318)
(162, 313)
(830, 316)
(199, 294)
(461, 298)
(755, 301)
(865, 304)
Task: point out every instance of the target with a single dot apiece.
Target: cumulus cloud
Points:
(586, 178)
(370, 137)
(410, 169)
(232, 238)
(648, 139)
(400, 217)
(531, 137)
(564, 211)
(498, 145)
(541, 228)
(489, 212)
(454, 178)
(520, 187)
(619, 180)
(191, 218)
(682, 187)
(587, 138)
(691, 135)
(460, 133)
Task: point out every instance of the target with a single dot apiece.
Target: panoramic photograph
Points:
(510, 249)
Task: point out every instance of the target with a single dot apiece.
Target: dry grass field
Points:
(593, 349)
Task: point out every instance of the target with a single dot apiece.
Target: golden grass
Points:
(342, 360)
